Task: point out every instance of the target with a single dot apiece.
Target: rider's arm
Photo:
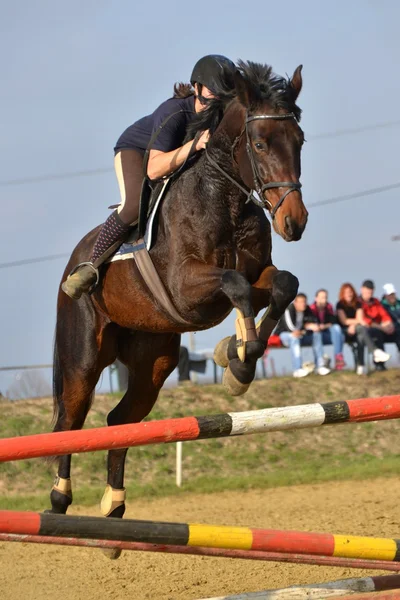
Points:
(164, 163)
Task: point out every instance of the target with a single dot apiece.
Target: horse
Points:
(212, 253)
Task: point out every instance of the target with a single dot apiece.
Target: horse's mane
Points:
(264, 86)
(267, 87)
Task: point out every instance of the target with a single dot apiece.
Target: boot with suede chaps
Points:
(85, 276)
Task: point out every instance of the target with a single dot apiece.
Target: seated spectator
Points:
(183, 365)
(298, 327)
(351, 319)
(391, 304)
(378, 321)
(331, 332)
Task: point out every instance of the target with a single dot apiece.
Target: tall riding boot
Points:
(86, 275)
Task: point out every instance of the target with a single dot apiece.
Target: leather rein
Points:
(258, 184)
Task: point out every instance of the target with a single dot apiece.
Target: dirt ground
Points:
(358, 508)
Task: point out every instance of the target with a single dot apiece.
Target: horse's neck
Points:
(217, 189)
(229, 129)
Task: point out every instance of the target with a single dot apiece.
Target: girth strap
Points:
(156, 287)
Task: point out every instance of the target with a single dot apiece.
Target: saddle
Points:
(150, 201)
(141, 240)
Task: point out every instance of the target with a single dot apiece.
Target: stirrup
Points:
(95, 271)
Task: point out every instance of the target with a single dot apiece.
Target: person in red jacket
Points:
(376, 318)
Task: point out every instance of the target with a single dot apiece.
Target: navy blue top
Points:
(172, 134)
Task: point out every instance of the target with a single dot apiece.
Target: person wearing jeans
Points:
(377, 320)
(330, 330)
(352, 320)
(391, 303)
(297, 328)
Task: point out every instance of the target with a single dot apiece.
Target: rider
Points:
(167, 154)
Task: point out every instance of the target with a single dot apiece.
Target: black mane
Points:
(264, 87)
(269, 87)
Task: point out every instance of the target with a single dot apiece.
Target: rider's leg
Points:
(129, 171)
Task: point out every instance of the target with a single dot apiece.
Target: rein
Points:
(259, 186)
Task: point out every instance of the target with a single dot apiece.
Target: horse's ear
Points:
(242, 89)
(297, 81)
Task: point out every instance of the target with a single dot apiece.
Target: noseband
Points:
(258, 185)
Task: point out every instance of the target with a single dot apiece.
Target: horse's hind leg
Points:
(83, 347)
(150, 358)
(80, 387)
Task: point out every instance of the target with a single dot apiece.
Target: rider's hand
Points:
(203, 139)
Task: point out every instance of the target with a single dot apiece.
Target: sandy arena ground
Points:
(359, 508)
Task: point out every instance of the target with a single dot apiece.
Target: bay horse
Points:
(213, 253)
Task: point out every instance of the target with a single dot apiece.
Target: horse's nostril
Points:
(289, 225)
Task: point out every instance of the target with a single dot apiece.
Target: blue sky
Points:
(74, 75)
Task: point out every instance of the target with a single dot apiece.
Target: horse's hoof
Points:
(221, 353)
(112, 553)
(233, 385)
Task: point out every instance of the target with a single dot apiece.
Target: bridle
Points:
(258, 184)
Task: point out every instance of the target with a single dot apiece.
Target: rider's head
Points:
(212, 75)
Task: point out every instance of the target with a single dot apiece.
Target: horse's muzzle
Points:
(293, 230)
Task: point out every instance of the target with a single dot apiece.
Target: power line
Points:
(340, 132)
(104, 170)
(27, 261)
(56, 176)
(333, 200)
(370, 192)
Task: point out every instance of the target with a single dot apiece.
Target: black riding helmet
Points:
(214, 71)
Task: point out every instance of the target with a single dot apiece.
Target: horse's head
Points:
(267, 151)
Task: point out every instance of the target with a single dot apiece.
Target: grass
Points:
(352, 451)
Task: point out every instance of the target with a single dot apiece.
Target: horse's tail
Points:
(58, 388)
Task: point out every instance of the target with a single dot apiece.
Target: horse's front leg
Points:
(248, 348)
(212, 280)
(275, 289)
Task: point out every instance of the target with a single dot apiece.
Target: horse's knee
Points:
(239, 291)
(284, 290)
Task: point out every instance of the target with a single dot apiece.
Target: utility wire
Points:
(333, 200)
(340, 132)
(103, 170)
(27, 261)
(56, 176)
(370, 192)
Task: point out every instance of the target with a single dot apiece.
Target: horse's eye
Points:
(259, 146)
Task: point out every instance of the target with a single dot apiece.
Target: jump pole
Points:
(316, 591)
(195, 428)
(195, 535)
(302, 559)
(389, 595)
